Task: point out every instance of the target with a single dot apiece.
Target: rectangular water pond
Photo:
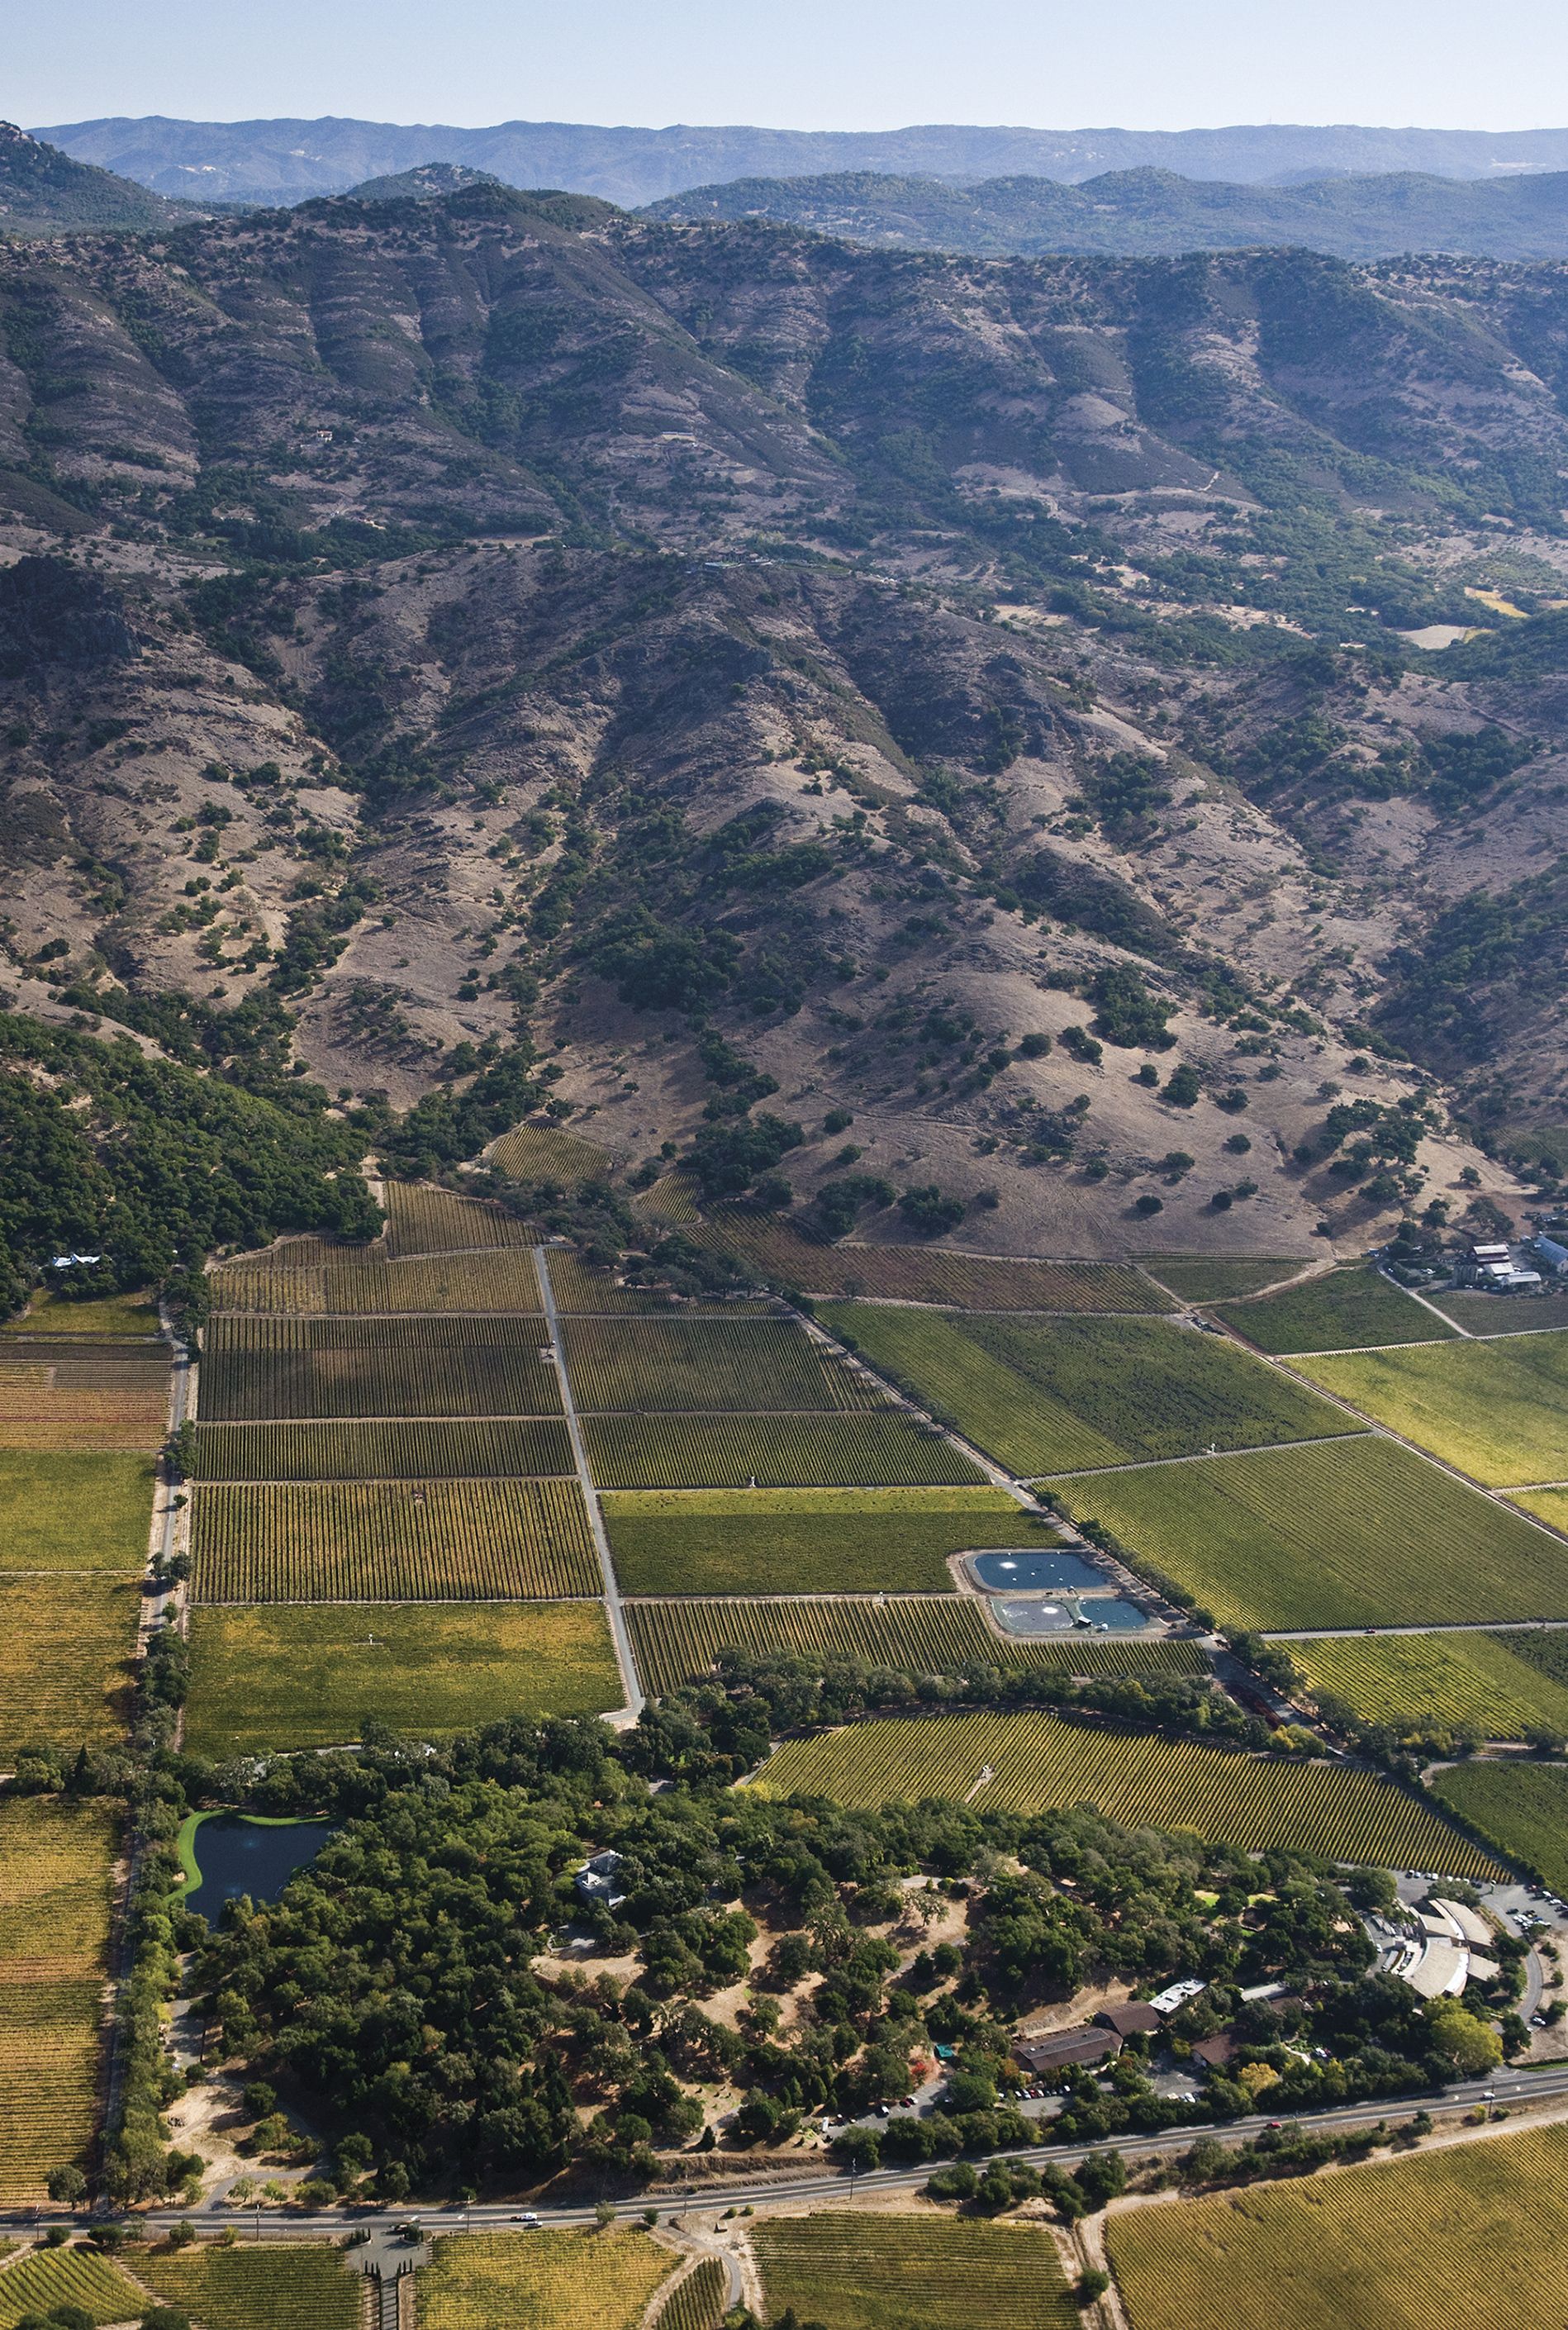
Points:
(1028, 1572)
(1035, 1614)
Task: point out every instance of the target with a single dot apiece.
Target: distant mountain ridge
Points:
(426, 183)
(287, 160)
(1155, 213)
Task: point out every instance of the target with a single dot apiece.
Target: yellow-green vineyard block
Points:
(423, 1221)
(679, 1365)
(808, 1541)
(1040, 1762)
(290, 2285)
(1357, 1532)
(1463, 1682)
(100, 1315)
(1063, 1394)
(1497, 1410)
(36, 2284)
(65, 1674)
(543, 1152)
(885, 2272)
(1212, 1277)
(778, 1253)
(1521, 1807)
(697, 2301)
(773, 1452)
(392, 1541)
(74, 1511)
(1337, 1312)
(677, 1642)
(307, 1675)
(412, 1449)
(504, 1281)
(55, 1865)
(543, 2281)
(254, 1371)
(1476, 2233)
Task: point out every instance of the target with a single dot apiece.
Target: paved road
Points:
(621, 1633)
(1509, 2088)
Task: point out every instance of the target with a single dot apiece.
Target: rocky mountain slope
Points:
(286, 161)
(962, 710)
(1140, 212)
(43, 191)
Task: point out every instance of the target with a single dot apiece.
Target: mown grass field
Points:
(1340, 1311)
(74, 1510)
(1065, 1395)
(677, 1641)
(46, 2279)
(392, 1541)
(65, 1665)
(306, 1675)
(543, 2281)
(1498, 1411)
(256, 1369)
(409, 1450)
(1477, 2232)
(808, 1541)
(918, 1274)
(1521, 1807)
(1347, 1533)
(864, 2272)
(1038, 1762)
(103, 1314)
(679, 1365)
(1216, 1278)
(1472, 1684)
(56, 1859)
(421, 1220)
(290, 2285)
(777, 1452)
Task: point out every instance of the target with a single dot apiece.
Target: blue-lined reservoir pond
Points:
(1033, 1573)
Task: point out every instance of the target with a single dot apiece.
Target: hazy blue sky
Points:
(807, 65)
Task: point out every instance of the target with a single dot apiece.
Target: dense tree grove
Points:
(416, 1991)
(151, 1163)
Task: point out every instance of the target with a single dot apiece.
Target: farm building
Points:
(1060, 2051)
(1444, 1947)
(1215, 2053)
(1133, 2015)
(1177, 1996)
(595, 1881)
